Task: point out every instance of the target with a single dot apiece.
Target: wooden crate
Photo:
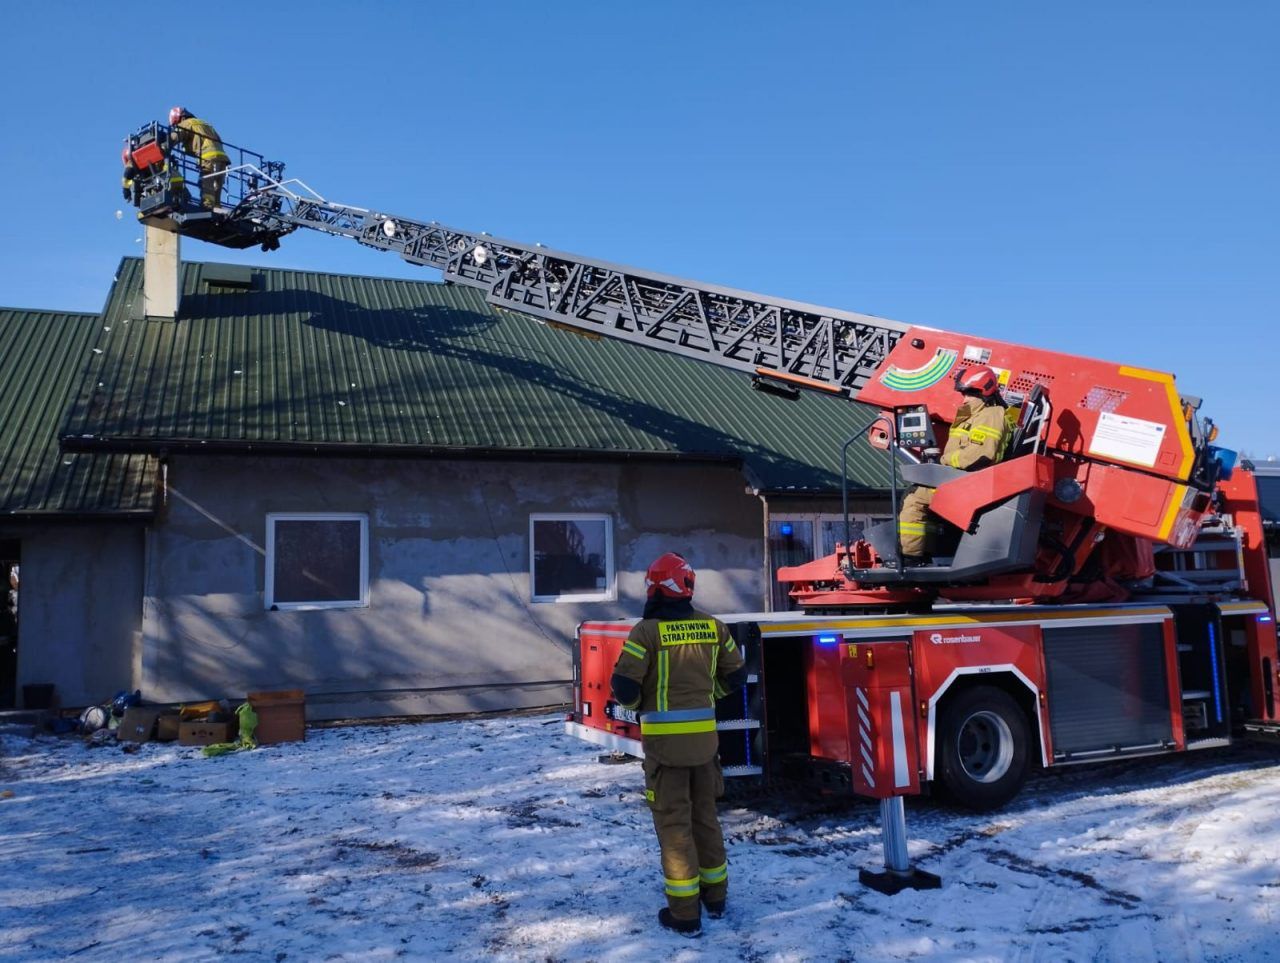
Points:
(282, 716)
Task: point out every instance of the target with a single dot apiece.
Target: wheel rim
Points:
(984, 747)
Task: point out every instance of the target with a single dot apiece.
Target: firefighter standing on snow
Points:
(979, 433)
(674, 665)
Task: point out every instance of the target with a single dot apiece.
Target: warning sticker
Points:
(1127, 439)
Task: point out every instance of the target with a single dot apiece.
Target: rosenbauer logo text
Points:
(937, 638)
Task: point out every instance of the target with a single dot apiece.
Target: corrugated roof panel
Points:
(336, 360)
(44, 356)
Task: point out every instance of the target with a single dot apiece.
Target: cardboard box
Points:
(167, 727)
(282, 716)
(205, 733)
(137, 724)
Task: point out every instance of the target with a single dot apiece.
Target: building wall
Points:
(450, 625)
(80, 608)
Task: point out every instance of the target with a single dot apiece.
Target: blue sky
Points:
(1097, 178)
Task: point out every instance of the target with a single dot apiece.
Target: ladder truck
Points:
(1104, 593)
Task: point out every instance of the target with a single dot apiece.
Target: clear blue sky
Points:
(1097, 178)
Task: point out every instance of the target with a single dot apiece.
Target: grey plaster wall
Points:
(80, 609)
(450, 625)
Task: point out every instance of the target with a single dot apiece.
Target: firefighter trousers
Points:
(916, 527)
(683, 802)
(213, 173)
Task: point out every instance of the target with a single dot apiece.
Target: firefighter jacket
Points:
(979, 435)
(682, 666)
(199, 139)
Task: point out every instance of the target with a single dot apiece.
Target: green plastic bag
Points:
(248, 726)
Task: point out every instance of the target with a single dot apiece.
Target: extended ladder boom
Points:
(1117, 459)
(806, 345)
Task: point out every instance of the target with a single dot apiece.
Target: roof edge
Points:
(79, 515)
(166, 446)
(62, 311)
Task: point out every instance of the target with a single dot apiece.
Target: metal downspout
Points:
(767, 554)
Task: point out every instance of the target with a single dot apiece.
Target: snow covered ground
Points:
(501, 838)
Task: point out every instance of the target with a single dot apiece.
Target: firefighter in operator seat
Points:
(979, 433)
(674, 665)
(198, 138)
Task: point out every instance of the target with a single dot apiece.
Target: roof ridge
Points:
(60, 311)
(186, 263)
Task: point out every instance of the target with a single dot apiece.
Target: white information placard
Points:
(1127, 439)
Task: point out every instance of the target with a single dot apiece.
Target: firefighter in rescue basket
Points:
(198, 138)
(674, 665)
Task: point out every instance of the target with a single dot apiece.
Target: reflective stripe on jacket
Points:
(978, 436)
(678, 722)
(679, 664)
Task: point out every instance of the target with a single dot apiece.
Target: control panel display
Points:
(914, 429)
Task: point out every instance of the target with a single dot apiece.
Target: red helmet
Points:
(176, 115)
(671, 576)
(978, 380)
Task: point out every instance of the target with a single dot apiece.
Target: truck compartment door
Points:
(1112, 689)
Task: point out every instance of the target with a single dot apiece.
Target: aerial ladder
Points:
(1106, 460)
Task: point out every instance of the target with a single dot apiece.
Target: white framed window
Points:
(317, 560)
(797, 538)
(571, 558)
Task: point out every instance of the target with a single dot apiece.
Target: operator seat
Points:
(1028, 434)
(1004, 536)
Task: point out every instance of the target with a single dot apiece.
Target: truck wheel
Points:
(983, 739)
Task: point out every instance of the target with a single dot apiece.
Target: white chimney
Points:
(161, 273)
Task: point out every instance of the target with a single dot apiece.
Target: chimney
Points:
(161, 273)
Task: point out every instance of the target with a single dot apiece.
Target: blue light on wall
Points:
(828, 639)
(786, 529)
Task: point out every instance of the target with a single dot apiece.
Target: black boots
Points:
(714, 908)
(683, 927)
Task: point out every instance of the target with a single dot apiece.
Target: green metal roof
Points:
(321, 362)
(43, 358)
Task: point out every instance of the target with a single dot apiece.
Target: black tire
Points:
(983, 748)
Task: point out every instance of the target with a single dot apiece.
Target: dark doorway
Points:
(785, 678)
(9, 582)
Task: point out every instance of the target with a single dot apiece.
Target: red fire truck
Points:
(1106, 594)
(1102, 592)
